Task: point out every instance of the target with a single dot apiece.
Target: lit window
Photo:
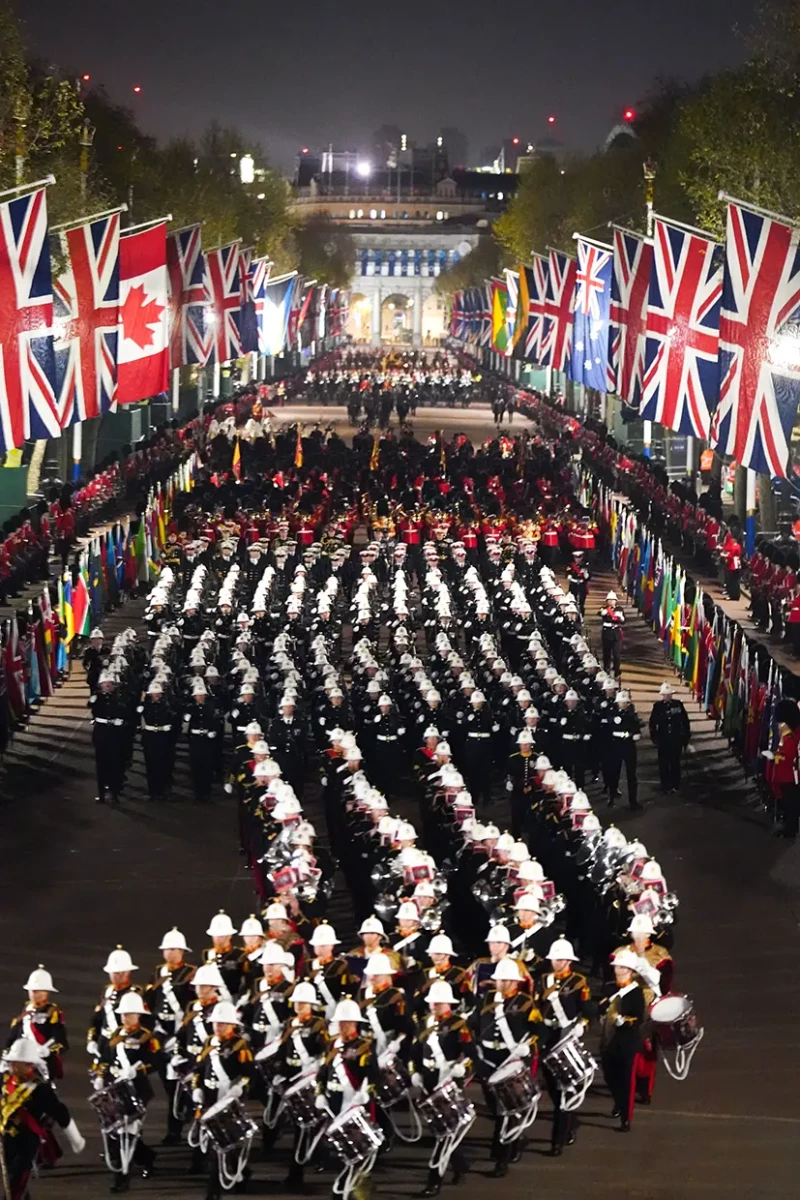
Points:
(360, 213)
(383, 214)
(373, 212)
(352, 214)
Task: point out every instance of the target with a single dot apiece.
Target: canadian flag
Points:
(143, 352)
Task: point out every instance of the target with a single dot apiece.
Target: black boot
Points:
(121, 1183)
(434, 1184)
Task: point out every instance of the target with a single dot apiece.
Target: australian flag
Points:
(590, 323)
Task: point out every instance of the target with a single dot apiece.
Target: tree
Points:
(325, 251)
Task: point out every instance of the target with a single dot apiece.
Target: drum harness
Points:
(444, 1147)
(514, 1123)
(571, 1097)
(128, 1132)
(228, 1177)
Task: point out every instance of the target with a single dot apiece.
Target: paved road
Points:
(79, 878)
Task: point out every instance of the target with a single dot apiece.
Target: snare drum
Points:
(393, 1083)
(513, 1086)
(352, 1138)
(675, 1020)
(446, 1110)
(117, 1105)
(569, 1064)
(298, 1100)
(226, 1124)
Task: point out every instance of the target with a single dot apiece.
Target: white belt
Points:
(157, 728)
(386, 737)
(618, 733)
(571, 737)
(479, 735)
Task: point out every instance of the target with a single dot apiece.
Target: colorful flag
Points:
(14, 671)
(556, 344)
(86, 320)
(273, 299)
(143, 349)
(630, 285)
(236, 465)
(512, 289)
(224, 294)
(186, 267)
(681, 377)
(28, 406)
(248, 327)
(536, 286)
(68, 614)
(81, 601)
(499, 309)
(759, 342)
(486, 314)
(589, 362)
(298, 450)
(302, 294)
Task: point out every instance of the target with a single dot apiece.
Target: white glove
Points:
(416, 1081)
(523, 1050)
(459, 1071)
(73, 1136)
(580, 1030)
(97, 1083)
(509, 786)
(400, 731)
(320, 1102)
(128, 1073)
(495, 728)
(637, 737)
(619, 1021)
(362, 1095)
(229, 789)
(236, 1090)
(92, 1049)
(211, 735)
(197, 1096)
(768, 754)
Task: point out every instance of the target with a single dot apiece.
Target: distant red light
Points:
(119, 147)
(305, 149)
(515, 141)
(137, 89)
(629, 114)
(551, 120)
(86, 78)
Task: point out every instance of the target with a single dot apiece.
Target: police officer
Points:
(670, 731)
(202, 729)
(158, 730)
(521, 781)
(625, 733)
(109, 716)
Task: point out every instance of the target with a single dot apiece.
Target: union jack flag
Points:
(224, 294)
(630, 283)
(536, 277)
(261, 270)
(681, 377)
(187, 298)
(556, 343)
(457, 316)
(28, 404)
(486, 315)
(759, 342)
(590, 323)
(512, 289)
(86, 320)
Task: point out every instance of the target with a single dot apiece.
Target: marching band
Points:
(388, 684)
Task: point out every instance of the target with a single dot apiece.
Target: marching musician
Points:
(229, 958)
(329, 972)
(563, 997)
(128, 1055)
(624, 1011)
(224, 1069)
(265, 1011)
(43, 1022)
(119, 966)
(442, 1051)
(506, 1023)
(302, 1047)
(442, 969)
(168, 996)
(28, 1104)
(612, 622)
(349, 1068)
(654, 972)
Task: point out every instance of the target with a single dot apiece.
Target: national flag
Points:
(42, 640)
(681, 377)
(486, 293)
(556, 344)
(14, 671)
(375, 456)
(224, 295)
(630, 285)
(81, 601)
(248, 327)
(186, 266)
(68, 615)
(457, 316)
(536, 287)
(589, 363)
(302, 296)
(28, 406)
(86, 320)
(236, 465)
(512, 290)
(759, 342)
(298, 450)
(143, 347)
(499, 309)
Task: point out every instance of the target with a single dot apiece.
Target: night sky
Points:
(307, 73)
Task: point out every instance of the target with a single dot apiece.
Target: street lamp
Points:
(87, 138)
(247, 168)
(364, 169)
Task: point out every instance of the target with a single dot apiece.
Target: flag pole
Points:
(765, 212)
(176, 389)
(147, 224)
(576, 237)
(637, 233)
(682, 225)
(28, 187)
(558, 250)
(77, 450)
(107, 212)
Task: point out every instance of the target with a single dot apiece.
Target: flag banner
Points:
(28, 406)
(759, 342)
(589, 363)
(486, 314)
(248, 328)
(457, 316)
(273, 300)
(630, 284)
(681, 375)
(143, 348)
(512, 288)
(322, 312)
(499, 309)
(186, 267)
(556, 344)
(224, 294)
(86, 320)
(536, 285)
(302, 295)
